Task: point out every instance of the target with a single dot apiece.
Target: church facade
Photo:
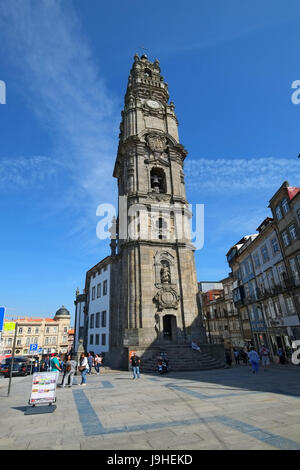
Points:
(153, 277)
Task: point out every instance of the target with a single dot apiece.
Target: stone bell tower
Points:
(153, 275)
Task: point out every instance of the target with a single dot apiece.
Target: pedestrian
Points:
(228, 358)
(254, 359)
(90, 360)
(70, 368)
(236, 356)
(135, 363)
(83, 368)
(264, 353)
(55, 365)
(45, 366)
(97, 363)
(244, 357)
(36, 366)
(281, 356)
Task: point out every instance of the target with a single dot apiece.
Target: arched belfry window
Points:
(148, 73)
(158, 180)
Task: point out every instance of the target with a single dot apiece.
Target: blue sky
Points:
(229, 66)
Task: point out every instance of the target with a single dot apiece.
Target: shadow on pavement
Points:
(280, 380)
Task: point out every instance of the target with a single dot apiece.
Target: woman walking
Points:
(83, 368)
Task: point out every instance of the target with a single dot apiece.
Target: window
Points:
(36, 331)
(294, 270)
(91, 339)
(275, 245)
(105, 268)
(290, 305)
(103, 339)
(27, 341)
(265, 254)
(285, 206)
(105, 288)
(29, 330)
(54, 329)
(158, 180)
(46, 340)
(97, 339)
(256, 260)
(20, 330)
(65, 329)
(298, 213)
(293, 232)
(278, 213)
(285, 238)
(92, 318)
(98, 320)
(47, 330)
(93, 293)
(35, 340)
(19, 342)
(281, 273)
(103, 319)
(98, 290)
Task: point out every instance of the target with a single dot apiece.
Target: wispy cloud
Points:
(239, 174)
(64, 87)
(27, 172)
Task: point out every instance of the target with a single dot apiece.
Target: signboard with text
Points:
(43, 388)
(9, 326)
(2, 314)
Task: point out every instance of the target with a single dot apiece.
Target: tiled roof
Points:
(30, 320)
(292, 191)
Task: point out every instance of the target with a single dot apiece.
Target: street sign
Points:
(33, 347)
(2, 313)
(9, 326)
(40, 350)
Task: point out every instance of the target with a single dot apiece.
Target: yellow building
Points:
(50, 334)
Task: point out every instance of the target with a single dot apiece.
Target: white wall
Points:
(98, 305)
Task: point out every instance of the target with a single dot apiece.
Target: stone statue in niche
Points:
(165, 275)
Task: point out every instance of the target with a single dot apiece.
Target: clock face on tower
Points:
(153, 104)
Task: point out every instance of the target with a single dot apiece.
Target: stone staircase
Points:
(181, 358)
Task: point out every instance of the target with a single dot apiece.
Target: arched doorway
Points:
(169, 327)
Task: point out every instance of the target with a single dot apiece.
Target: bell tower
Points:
(153, 275)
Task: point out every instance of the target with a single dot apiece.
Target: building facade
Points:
(49, 334)
(221, 317)
(92, 310)
(265, 270)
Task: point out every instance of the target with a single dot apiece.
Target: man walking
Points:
(254, 360)
(135, 363)
(264, 353)
(55, 366)
(90, 360)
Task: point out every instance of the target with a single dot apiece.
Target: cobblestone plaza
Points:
(217, 410)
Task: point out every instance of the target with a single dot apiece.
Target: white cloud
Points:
(240, 174)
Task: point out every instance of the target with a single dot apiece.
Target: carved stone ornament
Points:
(156, 142)
(167, 297)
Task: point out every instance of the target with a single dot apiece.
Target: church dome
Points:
(62, 312)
